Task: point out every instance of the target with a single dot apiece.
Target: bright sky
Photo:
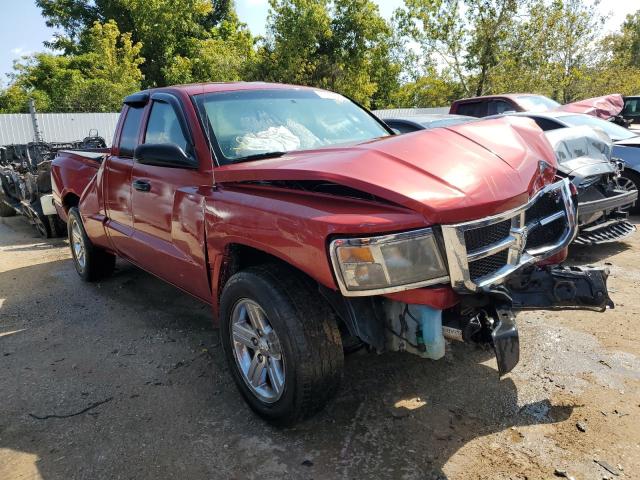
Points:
(23, 29)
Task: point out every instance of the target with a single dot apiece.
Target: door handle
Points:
(142, 185)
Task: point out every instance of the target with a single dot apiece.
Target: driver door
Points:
(168, 211)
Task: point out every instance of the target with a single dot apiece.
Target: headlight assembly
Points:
(389, 263)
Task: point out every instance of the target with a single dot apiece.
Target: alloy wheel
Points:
(77, 244)
(257, 351)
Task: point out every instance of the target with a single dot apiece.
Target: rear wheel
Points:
(92, 263)
(281, 342)
(630, 180)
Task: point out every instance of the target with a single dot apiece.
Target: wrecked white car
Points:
(585, 155)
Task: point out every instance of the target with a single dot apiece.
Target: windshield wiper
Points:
(259, 156)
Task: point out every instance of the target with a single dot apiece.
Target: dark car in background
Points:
(413, 123)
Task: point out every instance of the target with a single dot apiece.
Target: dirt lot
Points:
(171, 410)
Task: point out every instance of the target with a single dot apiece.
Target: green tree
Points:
(467, 36)
(105, 68)
(341, 45)
(227, 55)
(432, 89)
(172, 32)
(617, 64)
(624, 46)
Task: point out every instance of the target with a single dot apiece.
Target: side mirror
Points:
(164, 155)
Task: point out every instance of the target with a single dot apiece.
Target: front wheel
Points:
(281, 342)
(630, 180)
(92, 263)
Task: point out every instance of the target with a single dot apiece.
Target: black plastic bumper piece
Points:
(551, 288)
(560, 288)
(506, 343)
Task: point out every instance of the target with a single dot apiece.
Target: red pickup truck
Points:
(309, 227)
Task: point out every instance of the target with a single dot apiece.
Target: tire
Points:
(5, 210)
(307, 342)
(92, 263)
(41, 222)
(628, 179)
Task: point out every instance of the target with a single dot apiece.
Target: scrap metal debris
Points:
(84, 410)
(608, 468)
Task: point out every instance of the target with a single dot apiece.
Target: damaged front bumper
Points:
(493, 272)
(558, 288)
(536, 288)
(605, 220)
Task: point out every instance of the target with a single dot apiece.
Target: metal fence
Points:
(405, 112)
(56, 127)
(67, 127)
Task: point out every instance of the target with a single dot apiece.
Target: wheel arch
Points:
(239, 256)
(69, 200)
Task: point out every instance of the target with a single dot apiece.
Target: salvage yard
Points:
(126, 379)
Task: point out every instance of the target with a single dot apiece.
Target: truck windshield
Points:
(252, 124)
(537, 103)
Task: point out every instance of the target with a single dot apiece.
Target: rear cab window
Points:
(472, 109)
(497, 107)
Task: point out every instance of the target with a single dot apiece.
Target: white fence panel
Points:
(56, 127)
(405, 112)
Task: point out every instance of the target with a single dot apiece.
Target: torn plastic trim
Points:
(560, 288)
(537, 288)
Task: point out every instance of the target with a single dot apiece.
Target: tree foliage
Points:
(430, 53)
(96, 78)
(343, 45)
(170, 32)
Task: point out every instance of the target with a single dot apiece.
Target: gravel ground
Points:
(126, 379)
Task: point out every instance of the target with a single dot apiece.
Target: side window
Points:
(546, 124)
(472, 109)
(164, 126)
(631, 107)
(499, 106)
(130, 129)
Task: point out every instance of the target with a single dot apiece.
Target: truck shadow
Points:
(586, 254)
(17, 235)
(149, 352)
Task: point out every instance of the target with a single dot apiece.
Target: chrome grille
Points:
(477, 238)
(483, 253)
(546, 205)
(488, 265)
(546, 235)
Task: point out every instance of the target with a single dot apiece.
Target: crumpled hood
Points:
(582, 151)
(583, 167)
(449, 175)
(602, 107)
